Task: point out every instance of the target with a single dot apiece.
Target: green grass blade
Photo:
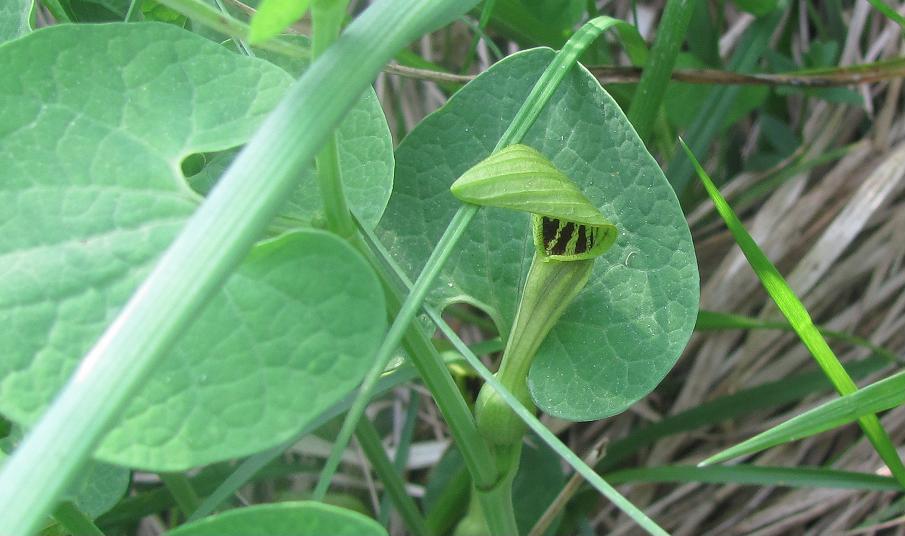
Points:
(403, 448)
(74, 521)
(795, 312)
(181, 490)
(888, 11)
(879, 396)
(725, 408)
(795, 477)
(212, 243)
(652, 86)
(390, 477)
(711, 320)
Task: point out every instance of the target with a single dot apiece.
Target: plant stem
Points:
(403, 447)
(195, 266)
(478, 517)
(326, 18)
(550, 287)
(486, 10)
(407, 312)
(182, 491)
(75, 521)
(393, 485)
(57, 11)
(528, 417)
(657, 70)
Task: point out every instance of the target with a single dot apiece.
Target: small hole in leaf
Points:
(193, 164)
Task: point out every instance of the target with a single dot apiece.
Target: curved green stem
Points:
(549, 289)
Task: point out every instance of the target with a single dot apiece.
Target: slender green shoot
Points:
(879, 396)
(888, 11)
(181, 490)
(406, 434)
(75, 521)
(327, 17)
(658, 69)
(400, 324)
(389, 476)
(711, 320)
(134, 12)
(479, 34)
(795, 312)
(751, 475)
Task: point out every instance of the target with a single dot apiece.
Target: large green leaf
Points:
(626, 329)
(284, 519)
(97, 488)
(365, 156)
(15, 18)
(96, 126)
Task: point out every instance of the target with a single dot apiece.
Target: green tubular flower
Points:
(569, 233)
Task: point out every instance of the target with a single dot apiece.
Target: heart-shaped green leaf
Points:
(626, 329)
(285, 519)
(365, 155)
(96, 126)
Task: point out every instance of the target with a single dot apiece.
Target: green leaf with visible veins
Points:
(95, 491)
(365, 156)
(96, 125)
(626, 329)
(15, 18)
(285, 519)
